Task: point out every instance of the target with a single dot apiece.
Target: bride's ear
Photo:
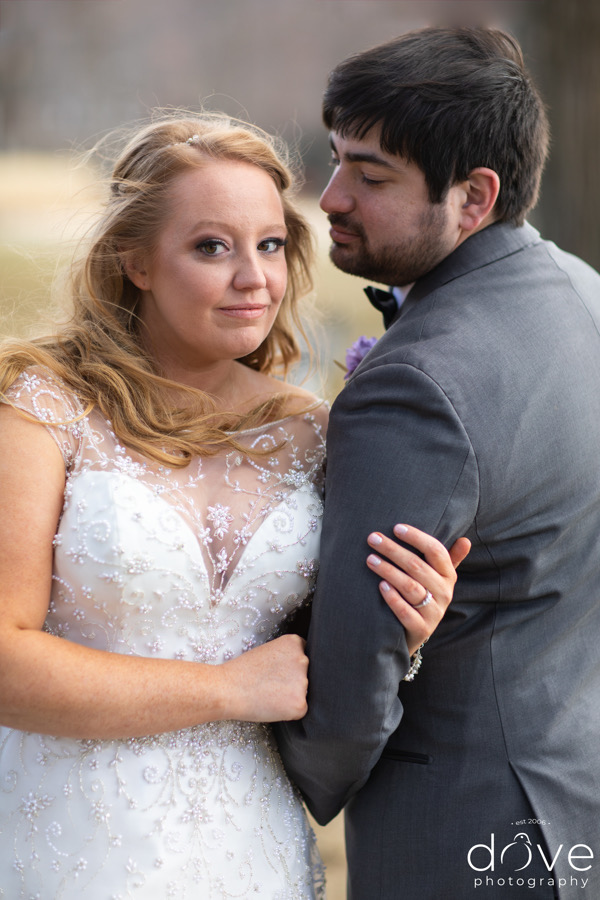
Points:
(135, 267)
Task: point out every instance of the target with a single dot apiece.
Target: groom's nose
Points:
(336, 198)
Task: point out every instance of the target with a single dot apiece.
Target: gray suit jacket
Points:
(478, 414)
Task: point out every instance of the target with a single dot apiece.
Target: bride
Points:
(159, 520)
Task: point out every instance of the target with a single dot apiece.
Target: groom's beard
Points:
(398, 263)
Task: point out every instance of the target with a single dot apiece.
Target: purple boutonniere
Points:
(357, 352)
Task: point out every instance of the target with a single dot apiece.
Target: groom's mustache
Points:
(345, 223)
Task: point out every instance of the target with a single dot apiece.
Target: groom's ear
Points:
(481, 192)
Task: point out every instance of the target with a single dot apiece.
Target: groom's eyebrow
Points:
(358, 156)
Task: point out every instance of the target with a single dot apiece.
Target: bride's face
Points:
(212, 288)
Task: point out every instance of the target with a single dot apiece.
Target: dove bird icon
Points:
(521, 840)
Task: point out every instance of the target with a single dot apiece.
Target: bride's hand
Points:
(417, 590)
(268, 683)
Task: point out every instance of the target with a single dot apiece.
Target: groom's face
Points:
(384, 227)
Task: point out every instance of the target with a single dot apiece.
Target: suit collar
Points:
(495, 242)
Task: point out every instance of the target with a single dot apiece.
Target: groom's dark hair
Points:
(449, 100)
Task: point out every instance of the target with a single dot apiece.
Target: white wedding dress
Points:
(199, 563)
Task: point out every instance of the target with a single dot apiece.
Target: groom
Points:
(477, 414)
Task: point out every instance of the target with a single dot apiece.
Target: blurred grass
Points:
(26, 292)
(46, 205)
(330, 839)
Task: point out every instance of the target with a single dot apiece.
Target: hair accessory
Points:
(194, 139)
(425, 602)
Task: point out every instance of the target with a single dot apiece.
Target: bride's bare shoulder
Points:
(294, 397)
(298, 400)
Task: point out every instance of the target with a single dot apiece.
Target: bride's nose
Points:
(249, 275)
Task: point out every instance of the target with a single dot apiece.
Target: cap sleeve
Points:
(41, 394)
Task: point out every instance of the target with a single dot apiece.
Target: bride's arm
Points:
(52, 685)
(408, 579)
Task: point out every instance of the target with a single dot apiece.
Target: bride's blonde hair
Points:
(99, 353)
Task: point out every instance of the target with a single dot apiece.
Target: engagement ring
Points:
(428, 599)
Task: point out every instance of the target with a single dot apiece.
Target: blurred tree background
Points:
(70, 70)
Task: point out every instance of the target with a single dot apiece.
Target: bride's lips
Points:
(244, 311)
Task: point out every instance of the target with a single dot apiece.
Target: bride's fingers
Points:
(418, 627)
(417, 590)
(459, 550)
(409, 577)
(433, 550)
(407, 572)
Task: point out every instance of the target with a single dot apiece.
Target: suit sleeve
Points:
(397, 452)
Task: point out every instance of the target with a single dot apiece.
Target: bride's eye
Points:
(212, 247)
(272, 245)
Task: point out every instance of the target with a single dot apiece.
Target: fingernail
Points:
(374, 538)
(374, 560)
(400, 529)
(384, 586)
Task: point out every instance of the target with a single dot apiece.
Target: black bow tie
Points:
(384, 301)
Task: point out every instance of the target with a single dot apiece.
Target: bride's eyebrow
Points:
(210, 224)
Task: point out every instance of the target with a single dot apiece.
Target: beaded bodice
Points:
(197, 563)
